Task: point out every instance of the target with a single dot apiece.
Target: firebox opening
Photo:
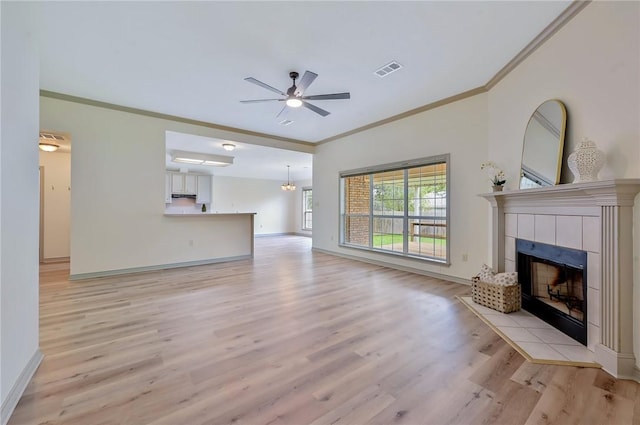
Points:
(553, 281)
(559, 286)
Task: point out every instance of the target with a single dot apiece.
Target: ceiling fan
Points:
(294, 96)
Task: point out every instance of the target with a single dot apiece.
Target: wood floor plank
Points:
(291, 337)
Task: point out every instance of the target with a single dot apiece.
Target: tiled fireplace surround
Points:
(595, 217)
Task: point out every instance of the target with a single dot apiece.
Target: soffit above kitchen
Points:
(190, 59)
(249, 160)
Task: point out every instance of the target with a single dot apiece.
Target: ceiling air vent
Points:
(49, 136)
(387, 69)
(285, 122)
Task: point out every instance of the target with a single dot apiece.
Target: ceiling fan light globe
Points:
(294, 103)
(48, 147)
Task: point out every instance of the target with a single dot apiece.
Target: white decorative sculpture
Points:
(586, 161)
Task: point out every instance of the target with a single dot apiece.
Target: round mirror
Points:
(543, 144)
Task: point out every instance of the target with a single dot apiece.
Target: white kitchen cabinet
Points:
(177, 183)
(184, 184)
(167, 188)
(203, 195)
(190, 184)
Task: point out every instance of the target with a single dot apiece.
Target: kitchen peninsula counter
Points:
(205, 214)
(210, 236)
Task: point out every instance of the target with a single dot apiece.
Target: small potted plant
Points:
(496, 175)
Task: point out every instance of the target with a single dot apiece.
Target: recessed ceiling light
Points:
(228, 146)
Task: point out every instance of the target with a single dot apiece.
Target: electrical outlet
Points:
(190, 242)
(465, 257)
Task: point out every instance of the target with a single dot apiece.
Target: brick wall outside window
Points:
(357, 201)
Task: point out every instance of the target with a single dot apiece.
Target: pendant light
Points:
(288, 185)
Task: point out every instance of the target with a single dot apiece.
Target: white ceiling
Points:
(189, 59)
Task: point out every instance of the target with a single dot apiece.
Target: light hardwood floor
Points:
(291, 337)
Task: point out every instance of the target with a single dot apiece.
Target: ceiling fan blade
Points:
(259, 100)
(315, 109)
(306, 80)
(266, 86)
(283, 112)
(333, 96)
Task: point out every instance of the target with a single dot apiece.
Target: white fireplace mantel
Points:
(596, 217)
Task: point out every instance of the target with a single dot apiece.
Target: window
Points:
(397, 208)
(307, 209)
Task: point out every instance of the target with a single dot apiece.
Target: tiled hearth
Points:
(594, 217)
(536, 340)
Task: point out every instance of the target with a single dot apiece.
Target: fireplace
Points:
(554, 285)
(593, 217)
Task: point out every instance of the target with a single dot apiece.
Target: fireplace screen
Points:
(559, 287)
(553, 281)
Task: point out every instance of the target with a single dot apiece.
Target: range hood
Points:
(182, 195)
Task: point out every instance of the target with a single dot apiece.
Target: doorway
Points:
(55, 197)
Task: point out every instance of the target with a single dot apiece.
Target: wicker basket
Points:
(505, 299)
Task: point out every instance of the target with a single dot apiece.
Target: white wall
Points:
(459, 129)
(57, 203)
(592, 65)
(274, 206)
(117, 203)
(19, 200)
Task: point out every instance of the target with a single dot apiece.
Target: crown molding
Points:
(143, 112)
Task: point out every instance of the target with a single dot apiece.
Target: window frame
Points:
(304, 209)
(406, 217)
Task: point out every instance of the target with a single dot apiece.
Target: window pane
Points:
(377, 205)
(356, 194)
(398, 208)
(387, 234)
(308, 200)
(356, 230)
(428, 238)
(309, 220)
(388, 193)
(307, 208)
(428, 224)
(380, 232)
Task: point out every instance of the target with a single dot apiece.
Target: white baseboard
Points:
(636, 374)
(54, 260)
(79, 276)
(618, 365)
(10, 403)
(268, 235)
(397, 267)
